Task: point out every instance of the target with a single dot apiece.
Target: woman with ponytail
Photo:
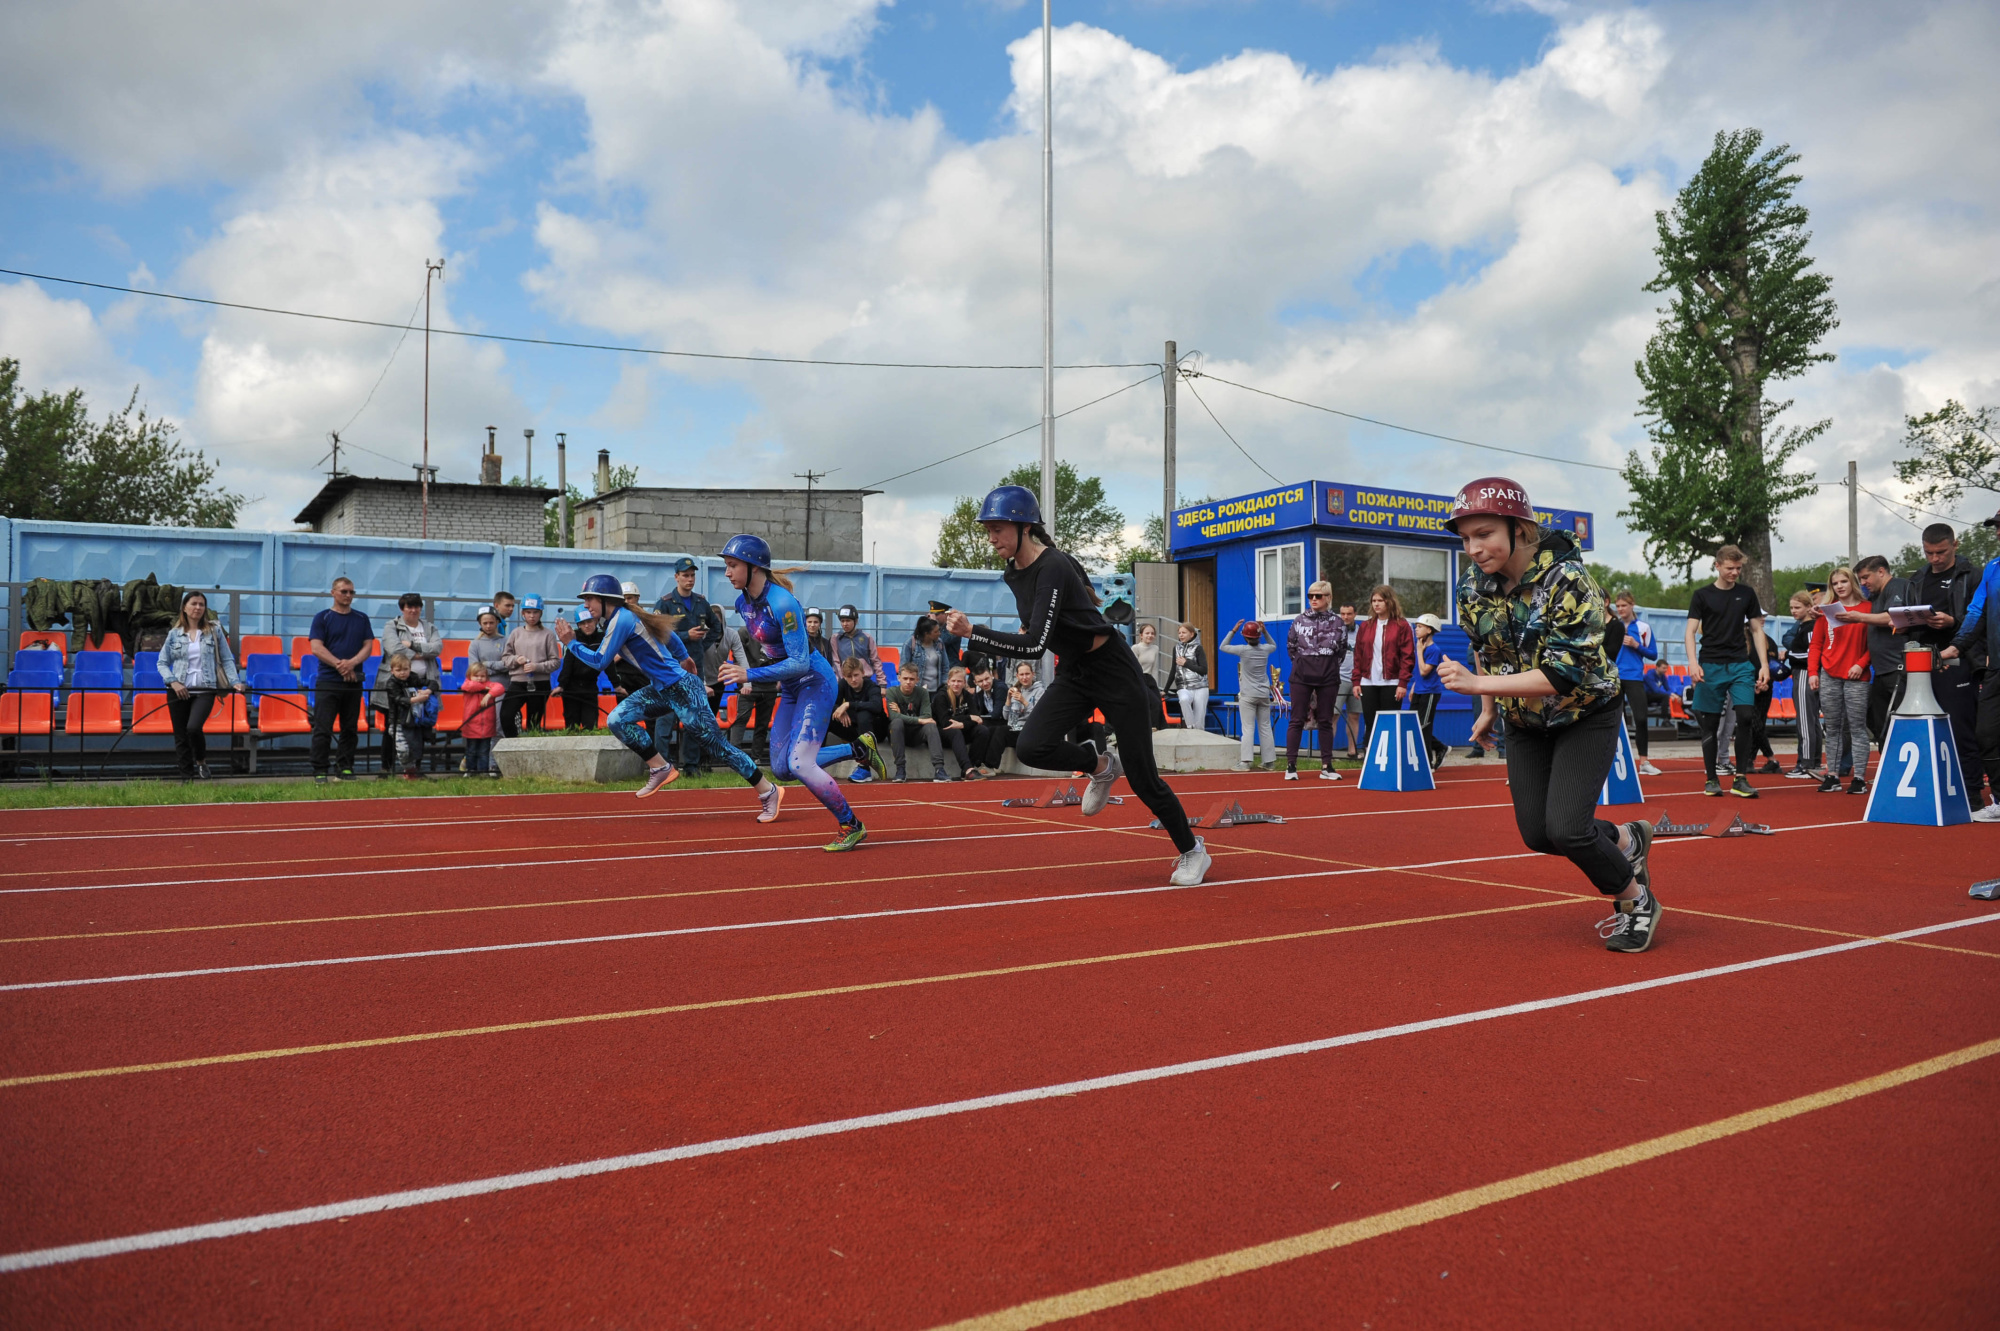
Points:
(807, 687)
(1095, 671)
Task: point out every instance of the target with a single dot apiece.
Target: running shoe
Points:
(1329, 774)
(1634, 926)
(1769, 767)
(664, 775)
(860, 776)
(1291, 775)
(1098, 792)
(1239, 767)
(1741, 786)
(1642, 846)
(1646, 768)
(1829, 784)
(1726, 768)
(1858, 786)
(1989, 814)
(900, 777)
(1802, 774)
(871, 756)
(938, 774)
(769, 802)
(1713, 787)
(851, 836)
(1192, 867)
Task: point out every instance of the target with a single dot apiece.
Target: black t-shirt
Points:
(1057, 606)
(1885, 645)
(1723, 616)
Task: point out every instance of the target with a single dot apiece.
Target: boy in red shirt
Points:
(482, 717)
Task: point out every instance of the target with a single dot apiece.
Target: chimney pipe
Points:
(603, 470)
(489, 461)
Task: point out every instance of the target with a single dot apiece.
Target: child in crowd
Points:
(1253, 693)
(1427, 687)
(482, 717)
(412, 713)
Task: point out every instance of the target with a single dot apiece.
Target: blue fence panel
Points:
(382, 570)
(981, 594)
(556, 574)
(195, 557)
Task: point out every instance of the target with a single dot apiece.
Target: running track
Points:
(579, 1060)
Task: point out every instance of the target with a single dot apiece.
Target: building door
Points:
(1198, 605)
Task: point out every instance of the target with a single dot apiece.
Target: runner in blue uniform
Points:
(648, 641)
(806, 682)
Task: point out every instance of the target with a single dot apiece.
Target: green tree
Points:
(1955, 450)
(1086, 524)
(622, 475)
(1976, 545)
(58, 465)
(1745, 308)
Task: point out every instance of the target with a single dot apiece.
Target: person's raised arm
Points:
(616, 635)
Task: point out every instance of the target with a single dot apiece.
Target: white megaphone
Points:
(1918, 699)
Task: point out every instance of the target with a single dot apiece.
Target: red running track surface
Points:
(973, 951)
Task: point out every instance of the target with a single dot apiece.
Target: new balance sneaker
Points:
(850, 836)
(1802, 774)
(1098, 792)
(1712, 787)
(1634, 926)
(1192, 867)
(871, 756)
(768, 803)
(1741, 786)
(1829, 784)
(1646, 768)
(1858, 786)
(1641, 833)
(664, 775)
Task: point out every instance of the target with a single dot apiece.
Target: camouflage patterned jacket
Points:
(1552, 622)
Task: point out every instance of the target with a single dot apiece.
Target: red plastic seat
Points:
(552, 715)
(893, 655)
(284, 714)
(606, 704)
(230, 716)
(25, 713)
(451, 713)
(95, 713)
(150, 716)
(54, 637)
(267, 644)
(301, 649)
(454, 649)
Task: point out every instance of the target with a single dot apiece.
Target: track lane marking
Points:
(425, 1196)
(545, 1023)
(1186, 1275)
(714, 928)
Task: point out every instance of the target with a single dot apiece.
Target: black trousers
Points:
(1634, 691)
(189, 714)
(1958, 693)
(530, 695)
(335, 702)
(1107, 680)
(580, 708)
(1313, 701)
(1987, 728)
(1884, 692)
(754, 711)
(987, 741)
(1760, 726)
(1425, 705)
(1374, 698)
(1554, 777)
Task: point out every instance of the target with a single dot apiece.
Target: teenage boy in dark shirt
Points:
(342, 641)
(1947, 584)
(1731, 624)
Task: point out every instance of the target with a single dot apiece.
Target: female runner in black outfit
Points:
(1095, 671)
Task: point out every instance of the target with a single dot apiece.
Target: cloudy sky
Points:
(1438, 214)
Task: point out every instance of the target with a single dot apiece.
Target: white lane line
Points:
(414, 1197)
(731, 928)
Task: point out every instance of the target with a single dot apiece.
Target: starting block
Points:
(1228, 813)
(1059, 798)
(1396, 757)
(1621, 784)
(1730, 826)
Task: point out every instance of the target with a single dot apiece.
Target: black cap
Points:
(848, 612)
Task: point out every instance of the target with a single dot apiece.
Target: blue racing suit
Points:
(672, 689)
(807, 687)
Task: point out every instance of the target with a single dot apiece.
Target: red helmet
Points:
(1498, 496)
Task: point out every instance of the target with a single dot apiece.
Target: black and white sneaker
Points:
(1829, 784)
(1098, 793)
(1634, 926)
(1641, 833)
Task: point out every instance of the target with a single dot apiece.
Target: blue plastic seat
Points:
(268, 663)
(888, 674)
(101, 662)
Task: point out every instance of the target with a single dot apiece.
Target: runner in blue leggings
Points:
(806, 682)
(649, 642)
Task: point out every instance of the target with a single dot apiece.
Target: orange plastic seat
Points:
(53, 637)
(95, 713)
(893, 655)
(552, 715)
(606, 704)
(112, 643)
(267, 644)
(301, 649)
(230, 716)
(26, 713)
(284, 714)
(451, 712)
(150, 715)
(454, 649)
(1676, 708)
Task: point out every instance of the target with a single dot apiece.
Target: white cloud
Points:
(61, 345)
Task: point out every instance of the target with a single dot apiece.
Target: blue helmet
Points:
(531, 602)
(1011, 503)
(750, 549)
(602, 584)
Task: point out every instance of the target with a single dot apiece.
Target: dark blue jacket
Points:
(1983, 613)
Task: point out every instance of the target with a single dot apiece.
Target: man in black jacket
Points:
(1946, 585)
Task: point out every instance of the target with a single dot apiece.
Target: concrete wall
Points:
(497, 514)
(644, 518)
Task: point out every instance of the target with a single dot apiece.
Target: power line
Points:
(873, 485)
(1225, 433)
(385, 370)
(1406, 429)
(557, 342)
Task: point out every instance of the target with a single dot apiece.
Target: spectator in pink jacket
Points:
(1385, 656)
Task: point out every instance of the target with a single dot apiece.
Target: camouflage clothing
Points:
(1554, 621)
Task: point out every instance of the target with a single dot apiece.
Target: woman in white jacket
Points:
(1191, 678)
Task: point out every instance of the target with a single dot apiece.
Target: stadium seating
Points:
(606, 704)
(25, 713)
(149, 714)
(284, 714)
(56, 638)
(254, 643)
(454, 650)
(231, 715)
(95, 713)
(451, 713)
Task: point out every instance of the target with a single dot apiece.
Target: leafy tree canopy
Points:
(1954, 451)
(58, 465)
(1086, 524)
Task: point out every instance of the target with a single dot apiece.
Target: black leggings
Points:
(1425, 705)
(1554, 777)
(189, 714)
(1635, 704)
(1374, 698)
(1107, 680)
(1746, 738)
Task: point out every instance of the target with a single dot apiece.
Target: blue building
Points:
(1253, 556)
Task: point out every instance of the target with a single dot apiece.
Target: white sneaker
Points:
(1098, 792)
(1989, 814)
(1328, 774)
(1239, 767)
(771, 802)
(1290, 775)
(1647, 769)
(1192, 867)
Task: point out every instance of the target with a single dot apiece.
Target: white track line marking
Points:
(414, 1197)
(732, 928)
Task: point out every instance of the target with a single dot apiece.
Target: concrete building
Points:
(699, 521)
(374, 506)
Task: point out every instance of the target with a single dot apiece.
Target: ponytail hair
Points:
(783, 577)
(657, 624)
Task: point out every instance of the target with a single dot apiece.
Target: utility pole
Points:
(432, 268)
(562, 484)
(529, 476)
(1853, 516)
(1048, 281)
(1170, 382)
(809, 476)
(335, 436)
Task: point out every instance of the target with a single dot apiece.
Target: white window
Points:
(1281, 581)
(1421, 578)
